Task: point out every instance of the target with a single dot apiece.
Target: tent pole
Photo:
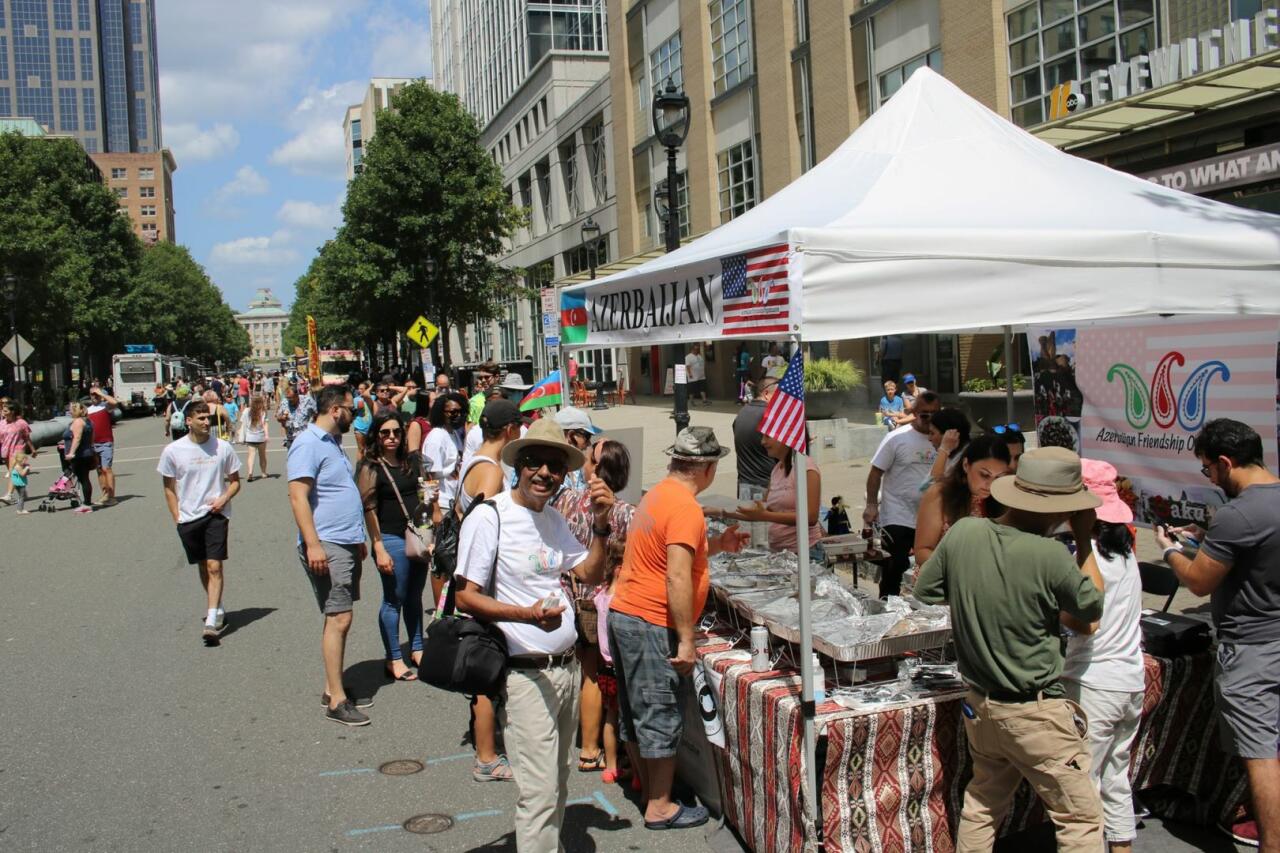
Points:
(1008, 374)
(800, 468)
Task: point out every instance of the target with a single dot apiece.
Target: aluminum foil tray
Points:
(888, 647)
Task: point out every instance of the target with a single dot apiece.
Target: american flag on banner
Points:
(784, 416)
(757, 298)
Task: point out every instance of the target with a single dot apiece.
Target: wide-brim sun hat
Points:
(545, 432)
(1048, 481)
(1100, 478)
(513, 382)
(697, 444)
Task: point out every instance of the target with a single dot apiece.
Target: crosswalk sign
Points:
(422, 332)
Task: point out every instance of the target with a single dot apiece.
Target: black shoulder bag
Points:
(466, 655)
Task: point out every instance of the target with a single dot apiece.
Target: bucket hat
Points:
(571, 418)
(697, 444)
(545, 432)
(1048, 481)
(1100, 478)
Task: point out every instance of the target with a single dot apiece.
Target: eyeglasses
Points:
(553, 462)
(925, 416)
(1003, 428)
(390, 433)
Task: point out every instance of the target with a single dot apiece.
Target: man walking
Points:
(755, 466)
(659, 594)
(696, 373)
(530, 547)
(296, 412)
(330, 517)
(900, 466)
(201, 475)
(1238, 565)
(1009, 585)
(99, 411)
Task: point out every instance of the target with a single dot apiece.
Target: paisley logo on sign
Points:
(1145, 403)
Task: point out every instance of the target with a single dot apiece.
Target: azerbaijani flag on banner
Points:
(545, 393)
(573, 318)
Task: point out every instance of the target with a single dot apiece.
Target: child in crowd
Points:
(19, 470)
(606, 677)
(892, 408)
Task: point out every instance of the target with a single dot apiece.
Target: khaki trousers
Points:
(1041, 742)
(539, 718)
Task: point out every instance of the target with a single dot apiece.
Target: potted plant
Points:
(830, 385)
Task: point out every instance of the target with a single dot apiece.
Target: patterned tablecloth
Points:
(894, 779)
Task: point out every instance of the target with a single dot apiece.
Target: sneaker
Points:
(1243, 830)
(347, 715)
(80, 510)
(358, 701)
(212, 633)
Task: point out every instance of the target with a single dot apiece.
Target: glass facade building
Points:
(104, 48)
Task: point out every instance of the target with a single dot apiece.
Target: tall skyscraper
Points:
(83, 68)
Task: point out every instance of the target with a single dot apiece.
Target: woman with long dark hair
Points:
(964, 492)
(442, 451)
(949, 434)
(388, 482)
(779, 504)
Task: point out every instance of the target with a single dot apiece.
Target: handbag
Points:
(584, 612)
(465, 655)
(415, 544)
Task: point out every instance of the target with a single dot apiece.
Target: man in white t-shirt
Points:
(773, 364)
(696, 372)
(201, 475)
(901, 464)
(522, 546)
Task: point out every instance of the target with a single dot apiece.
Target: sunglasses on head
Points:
(391, 433)
(1003, 428)
(553, 462)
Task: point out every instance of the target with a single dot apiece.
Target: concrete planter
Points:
(824, 405)
(987, 408)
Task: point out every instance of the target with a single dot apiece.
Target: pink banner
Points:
(1136, 394)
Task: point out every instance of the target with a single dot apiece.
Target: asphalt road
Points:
(121, 731)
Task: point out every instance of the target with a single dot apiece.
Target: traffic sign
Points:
(552, 341)
(18, 346)
(422, 332)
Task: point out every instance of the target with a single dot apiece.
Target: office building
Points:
(83, 68)
(144, 185)
(361, 121)
(265, 321)
(536, 77)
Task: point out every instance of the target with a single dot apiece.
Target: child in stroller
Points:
(63, 489)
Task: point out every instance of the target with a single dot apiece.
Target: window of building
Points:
(4, 53)
(119, 173)
(146, 173)
(6, 103)
(730, 43)
(62, 15)
(737, 178)
(89, 103)
(564, 25)
(598, 160)
(355, 131)
(569, 169)
(579, 260)
(526, 192)
(891, 81)
(140, 116)
(66, 51)
(146, 192)
(802, 84)
(84, 15)
(508, 331)
(542, 171)
(135, 21)
(595, 365)
(1050, 43)
(147, 210)
(121, 192)
(682, 202)
(664, 64)
(86, 59)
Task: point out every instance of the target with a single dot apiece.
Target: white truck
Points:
(134, 378)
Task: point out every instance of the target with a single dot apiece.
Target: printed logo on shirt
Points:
(547, 562)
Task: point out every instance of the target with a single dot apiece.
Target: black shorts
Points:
(205, 538)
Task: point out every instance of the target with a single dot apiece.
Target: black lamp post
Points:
(430, 266)
(11, 296)
(590, 238)
(671, 126)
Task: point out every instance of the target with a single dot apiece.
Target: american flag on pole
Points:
(757, 298)
(784, 416)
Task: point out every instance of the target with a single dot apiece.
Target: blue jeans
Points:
(401, 592)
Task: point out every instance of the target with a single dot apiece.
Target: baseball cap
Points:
(498, 414)
(908, 378)
(571, 418)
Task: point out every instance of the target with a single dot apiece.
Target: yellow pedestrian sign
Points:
(422, 332)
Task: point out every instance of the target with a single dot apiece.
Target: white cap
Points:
(570, 418)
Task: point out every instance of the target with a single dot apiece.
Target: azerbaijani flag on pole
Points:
(573, 318)
(545, 393)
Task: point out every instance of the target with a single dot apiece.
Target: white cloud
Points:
(191, 142)
(317, 147)
(402, 46)
(310, 215)
(247, 182)
(260, 251)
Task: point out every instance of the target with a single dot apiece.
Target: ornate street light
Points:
(590, 238)
(671, 126)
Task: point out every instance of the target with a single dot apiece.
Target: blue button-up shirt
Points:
(335, 500)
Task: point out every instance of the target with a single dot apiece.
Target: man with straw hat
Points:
(660, 591)
(1007, 584)
(530, 546)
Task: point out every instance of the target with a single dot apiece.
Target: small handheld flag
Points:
(784, 416)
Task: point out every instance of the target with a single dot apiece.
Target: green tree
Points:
(428, 196)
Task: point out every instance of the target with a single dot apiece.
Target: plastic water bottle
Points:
(819, 680)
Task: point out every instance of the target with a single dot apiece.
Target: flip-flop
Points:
(407, 676)
(591, 765)
(686, 817)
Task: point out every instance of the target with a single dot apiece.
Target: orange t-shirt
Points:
(667, 515)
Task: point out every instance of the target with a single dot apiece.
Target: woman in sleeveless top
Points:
(254, 421)
(964, 492)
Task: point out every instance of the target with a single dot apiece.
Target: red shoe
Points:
(1244, 830)
(609, 776)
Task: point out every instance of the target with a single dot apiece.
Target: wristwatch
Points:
(1171, 549)
(601, 532)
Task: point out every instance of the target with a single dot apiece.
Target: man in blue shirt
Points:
(327, 508)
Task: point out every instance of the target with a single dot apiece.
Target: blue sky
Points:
(253, 94)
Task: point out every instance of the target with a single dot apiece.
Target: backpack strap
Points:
(451, 593)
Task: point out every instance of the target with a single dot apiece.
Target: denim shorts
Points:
(649, 690)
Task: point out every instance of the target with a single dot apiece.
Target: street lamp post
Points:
(430, 267)
(671, 126)
(11, 296)
(591, 240)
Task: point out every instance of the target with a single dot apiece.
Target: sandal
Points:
(498, 770)
(591, 765)
(408, 675)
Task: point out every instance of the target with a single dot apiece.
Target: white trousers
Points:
(539, 718)
(1113, 723)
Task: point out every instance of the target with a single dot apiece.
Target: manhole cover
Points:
(428, 824)
(401, 767)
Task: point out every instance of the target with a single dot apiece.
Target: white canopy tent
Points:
(939, 215)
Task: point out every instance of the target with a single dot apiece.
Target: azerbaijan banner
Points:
(1135, 394)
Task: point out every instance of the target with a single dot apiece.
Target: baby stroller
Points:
(65, 488)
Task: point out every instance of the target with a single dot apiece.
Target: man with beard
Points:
(1238, 565)
(330, 516)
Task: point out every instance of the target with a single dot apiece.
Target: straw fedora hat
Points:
(1048, 481)
(545, 432)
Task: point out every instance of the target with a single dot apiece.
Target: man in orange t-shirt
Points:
(660, 591)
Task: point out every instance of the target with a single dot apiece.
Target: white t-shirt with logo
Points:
(537, 547)
(1111, 657)
(774, 365)
(905, 456)
(696, 366)
(200, 470)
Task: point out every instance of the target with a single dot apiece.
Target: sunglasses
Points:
(925, 416)
(390, 433)
(553, 462)
(384, 391)
(1003, 428)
